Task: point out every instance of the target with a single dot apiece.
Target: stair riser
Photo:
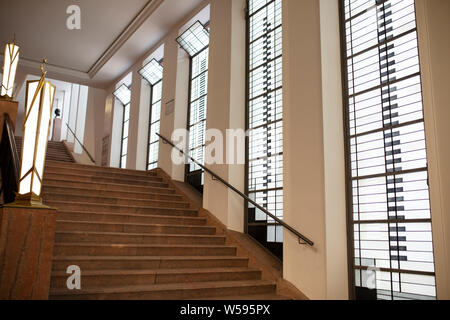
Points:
(60, 159)
(99, 169)
(120, 209)
(96, 281)
(101, 173)
(77, 178)
(117, 218)
(114, 201)
(104, 186)
(137, 239)
(49, 190)
(91, 265)
(79, 226)
(174, 294)
(76, 250)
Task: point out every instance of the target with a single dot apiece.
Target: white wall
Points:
(433, 23)
(314, 196)
(226, 106)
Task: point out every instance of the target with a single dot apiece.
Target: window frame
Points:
(187, 172)
(150, 124)
(348, 153)
(274, 247)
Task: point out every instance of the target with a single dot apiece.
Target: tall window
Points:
(265, 120)
(195, 41)
(387, 160)
(123, 94)
(153, 73)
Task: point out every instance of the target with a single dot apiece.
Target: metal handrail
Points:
(82, 145)
(302, 238)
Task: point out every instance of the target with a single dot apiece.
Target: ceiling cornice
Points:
(135, 24)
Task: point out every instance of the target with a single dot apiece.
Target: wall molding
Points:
(126, 34)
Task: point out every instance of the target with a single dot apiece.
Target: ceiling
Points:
(114, 34)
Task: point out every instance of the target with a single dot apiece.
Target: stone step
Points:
(136, 238)
(114, 278)
(251, 297)
(82, 249)
(141, 176)
(89, 178)
(70, 197)
(95, 207)
(178, 291)
(89, 216)
(134, 228)
(87, 167)
(104, 186)
(61, 263)
(53, 189)
(100, 172)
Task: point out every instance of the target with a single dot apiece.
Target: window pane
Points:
(388, 157)
(265, 110)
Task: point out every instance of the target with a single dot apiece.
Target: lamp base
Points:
(29, 200)
(6, 98)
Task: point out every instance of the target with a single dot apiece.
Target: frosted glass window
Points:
(265, 113)
(388, 157)
(195, 41)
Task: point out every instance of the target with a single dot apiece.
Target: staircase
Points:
(56, 151)
(134, 237)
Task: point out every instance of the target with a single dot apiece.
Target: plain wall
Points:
(433, 23)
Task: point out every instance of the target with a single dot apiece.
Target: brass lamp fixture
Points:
(9, 70)
(39, 100)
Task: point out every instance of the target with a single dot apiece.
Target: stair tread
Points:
(122, 234)
(67, 175)
(159, 271)
(135, 224)
(102, 183)
(255, 297)
(128, 214)
(165, 287)
(144, 258)
(55, 169)
(113, 198)
(137, 193)
(119, 205)
(87, 166)
(128, 245)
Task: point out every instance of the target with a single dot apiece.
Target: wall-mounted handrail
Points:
(9, 161)
(81, 144)
(302, 238)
